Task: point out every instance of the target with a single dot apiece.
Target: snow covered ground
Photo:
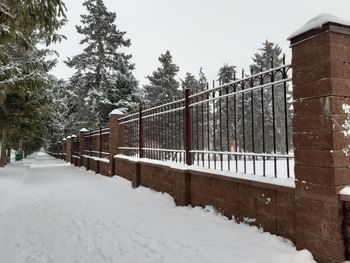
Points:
(51, 211)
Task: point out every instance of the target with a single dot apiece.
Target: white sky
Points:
(199, 33)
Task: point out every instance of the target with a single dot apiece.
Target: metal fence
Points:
(97, 143)
(242, 126)
(76, 146)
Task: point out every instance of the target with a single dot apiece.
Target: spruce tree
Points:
(163, 87)
(18, 19)
(103, 78)
(191, 82)
(24, 106)
(202, 79)
(227, 74)
(270, 56)
(23, 68)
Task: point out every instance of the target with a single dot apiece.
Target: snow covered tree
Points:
(103, 77)
(24, 104)
(202, 79)
(269, 56)
(23, 68)
(226, 75)
(163, 87)
(191, 82)
(18, 19)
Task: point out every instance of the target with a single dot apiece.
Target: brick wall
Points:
(271, 206)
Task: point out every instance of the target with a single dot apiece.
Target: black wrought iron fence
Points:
(76, 145)
(97, 143)
(242, 126)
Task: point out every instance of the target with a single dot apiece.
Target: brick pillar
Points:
(321, 85)
(115, 138)
(64, 146)
(82, 147)
(69, 149)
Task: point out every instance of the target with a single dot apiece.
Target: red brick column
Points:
(64, 147)
(321, 80)
(69, 149)
(115, 137)
(82, 144)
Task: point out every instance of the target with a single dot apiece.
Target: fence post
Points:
(69, 149)
(100, 142)
(64, 148)
(141, 134)
(115, 137)
(321, 80)
(82, 144)
(188, 127)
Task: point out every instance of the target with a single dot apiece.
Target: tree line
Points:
(37, 109)
(25, 100)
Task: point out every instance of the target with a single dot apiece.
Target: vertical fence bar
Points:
(90, 142)
(141, 134)
(273, 119)
(235, 120)
(228, 130)
(188, 127)
(286, 113)
(202, 120)
(214, 126)
(208, 126)
(220, 126)
(197, 127)
(243, 124)
(263, 123)
(100, 144)
(252, 119)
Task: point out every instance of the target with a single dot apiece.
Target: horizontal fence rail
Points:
(242, 126)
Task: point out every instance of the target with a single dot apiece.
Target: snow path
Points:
(51, 211)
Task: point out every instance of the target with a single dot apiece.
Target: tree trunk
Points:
(8, 155)
(3, 148)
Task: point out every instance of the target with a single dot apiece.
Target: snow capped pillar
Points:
(69, 149)
(321, 90)
(82, 133)
(115, 137)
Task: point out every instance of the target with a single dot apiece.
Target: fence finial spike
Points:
(271, 61)
(242, 72)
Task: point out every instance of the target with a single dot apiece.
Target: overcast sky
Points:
(198, 33)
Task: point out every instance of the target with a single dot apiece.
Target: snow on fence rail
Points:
(243, 126)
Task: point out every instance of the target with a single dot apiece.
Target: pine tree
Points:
(163, 86)
(24, 107)
(191, 82)
(103, 75)
(226, 75)
(202, 78)
(23, 68)
(18, 19)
